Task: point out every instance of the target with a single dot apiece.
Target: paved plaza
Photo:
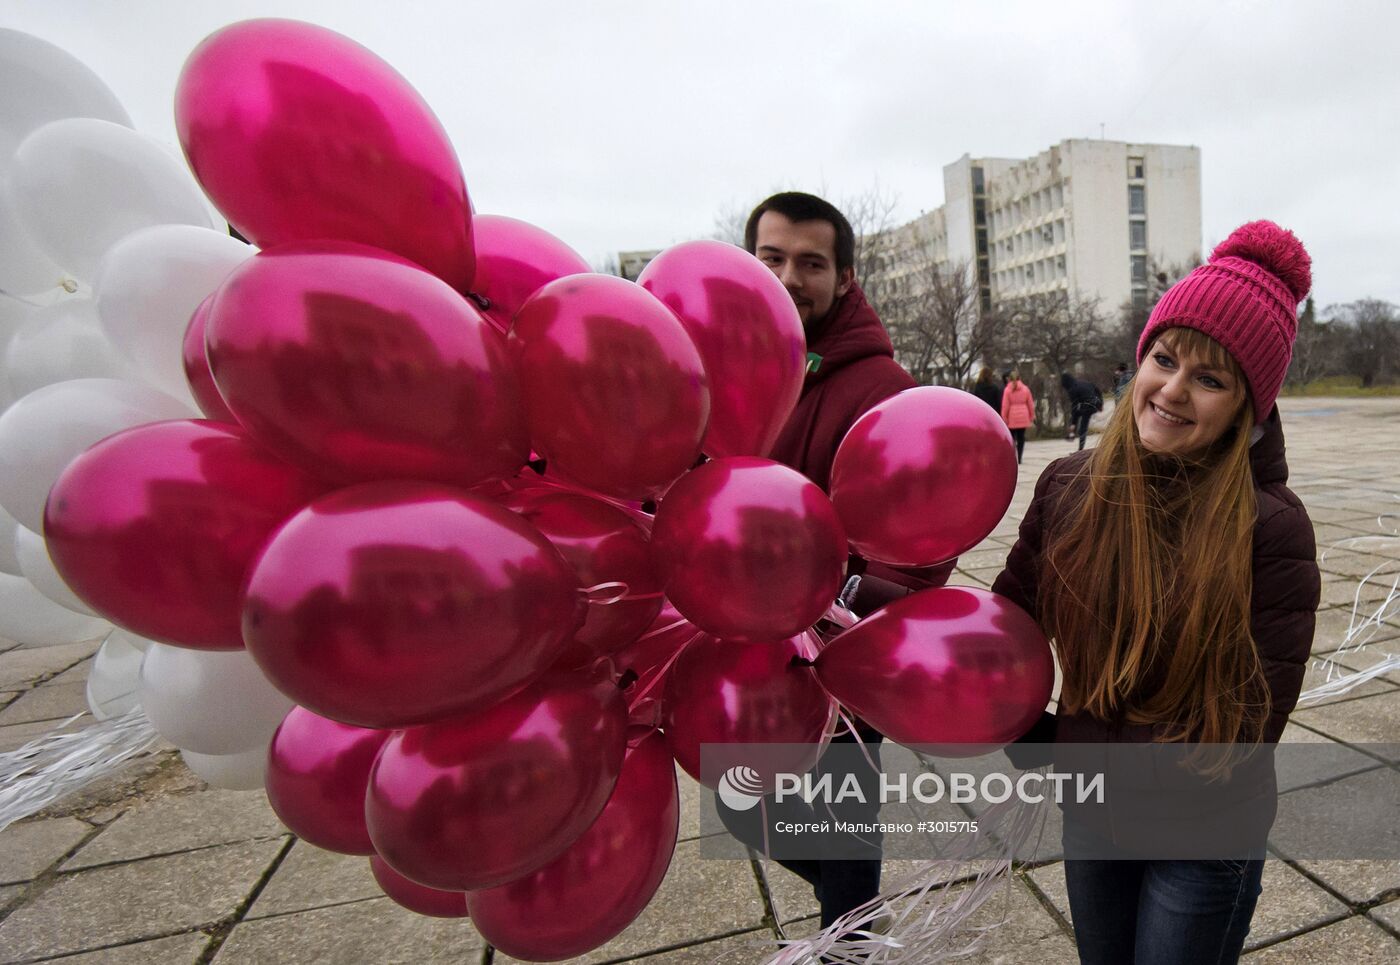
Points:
(154, 867)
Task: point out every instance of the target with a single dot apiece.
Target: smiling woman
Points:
(1188, 392)
(1175, 575)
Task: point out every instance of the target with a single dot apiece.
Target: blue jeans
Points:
(1162, 912)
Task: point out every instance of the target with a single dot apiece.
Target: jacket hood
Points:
(1266, 454)
(852, 331)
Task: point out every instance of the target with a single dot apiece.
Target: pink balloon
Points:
(298, 133)
(748, 331)
(358, 365)
(923, 476)
(397, 603)
(955, 671)
(604, 545)
(156, 527)
(197, 373)
(750, 549)
(317, 776)
(514, 259)
(649, 660)
(724, 692)
(476, 801)
(601, 883)
(615, 392)
(432, 902)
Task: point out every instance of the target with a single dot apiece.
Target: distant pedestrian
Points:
(1017, 410)
(1122, 375)
(1084, 400)
(987, 388)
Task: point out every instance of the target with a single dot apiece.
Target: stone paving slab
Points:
(1357, 941)
(1366, 720)
(1334, 623)
(699, 898)
(26, 849)
(1356, 881)
(141, 899)
(50, 702)
(16, 736)
(26, 666)
(310, 877)
(749, 948)
(1388, 914)
(376, 931)
(76, 674)
(175, 950)
(181, 823)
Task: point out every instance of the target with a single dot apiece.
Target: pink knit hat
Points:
(1246, 298)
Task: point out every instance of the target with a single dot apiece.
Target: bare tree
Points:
(730, 222)
(939, 330)
(871, 214)
(1370, 338)
(1314, 350)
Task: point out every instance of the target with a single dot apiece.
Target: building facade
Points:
(1087, 217)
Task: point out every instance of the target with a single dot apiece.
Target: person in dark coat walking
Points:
(1175, 574)
(987, 388)
(1084, 400)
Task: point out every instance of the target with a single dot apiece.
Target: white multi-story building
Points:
(1085, 217)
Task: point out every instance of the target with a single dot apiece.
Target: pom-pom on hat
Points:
(1246, 298)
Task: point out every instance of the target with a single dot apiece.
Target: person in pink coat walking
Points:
(1017, 410)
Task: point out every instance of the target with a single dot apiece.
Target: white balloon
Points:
(63, 341)
(209, 701)
(38, 569)
(24, 269)
(48, 428)
(80, 185)
(29, 618)
(114, 680)
(14, 314)
(40, 82)
(232, 772)
(9, 555)
(148, 286)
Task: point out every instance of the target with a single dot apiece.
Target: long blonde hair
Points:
(1145, 584)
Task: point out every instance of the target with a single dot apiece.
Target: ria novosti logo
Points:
(740, 787)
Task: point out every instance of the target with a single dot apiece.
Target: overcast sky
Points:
(632, 125)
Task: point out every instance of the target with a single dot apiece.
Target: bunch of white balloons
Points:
(107, 246)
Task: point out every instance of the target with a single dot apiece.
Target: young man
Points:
(810, 246)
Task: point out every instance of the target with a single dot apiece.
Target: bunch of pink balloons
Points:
(420, 501)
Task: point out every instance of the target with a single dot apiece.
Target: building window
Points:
(1137, 235)
(1137, 199)
(1139, 269)
(1135, 168)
